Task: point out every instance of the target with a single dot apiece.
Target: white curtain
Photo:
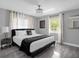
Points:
(19, 20)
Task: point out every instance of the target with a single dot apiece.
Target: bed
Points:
(31, 44)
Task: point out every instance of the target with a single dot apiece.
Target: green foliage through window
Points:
(54, 23)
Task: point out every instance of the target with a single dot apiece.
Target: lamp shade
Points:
(5, 29)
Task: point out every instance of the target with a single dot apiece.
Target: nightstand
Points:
(6, 42)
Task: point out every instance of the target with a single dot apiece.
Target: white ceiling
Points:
(48, 6)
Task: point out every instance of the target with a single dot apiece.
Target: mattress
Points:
(34, 45)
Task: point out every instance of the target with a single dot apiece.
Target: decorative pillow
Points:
(29, 32)
(21, 32)
(33, 32)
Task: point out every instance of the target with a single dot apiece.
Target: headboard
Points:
(13, 33)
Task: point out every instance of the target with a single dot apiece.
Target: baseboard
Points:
(70, 44)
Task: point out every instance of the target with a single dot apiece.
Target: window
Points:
(54, 24)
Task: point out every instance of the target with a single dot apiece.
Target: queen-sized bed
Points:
(31, 44)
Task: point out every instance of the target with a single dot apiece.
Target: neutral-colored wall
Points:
(4, 21)
(36, 24)
(42, 30)
(4, 18)
(46, 29)
(70, 35)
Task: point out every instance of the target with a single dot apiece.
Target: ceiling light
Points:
(39, 10)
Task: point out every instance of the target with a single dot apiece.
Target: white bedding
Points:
(34, 45)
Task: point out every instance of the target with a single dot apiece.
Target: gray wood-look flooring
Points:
(59, 51)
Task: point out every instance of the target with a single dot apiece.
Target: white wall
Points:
(70, 35)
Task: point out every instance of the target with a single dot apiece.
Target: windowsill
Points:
(53, 31)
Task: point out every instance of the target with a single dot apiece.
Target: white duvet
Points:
(36, 44)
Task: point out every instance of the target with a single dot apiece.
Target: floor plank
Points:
(59, 51)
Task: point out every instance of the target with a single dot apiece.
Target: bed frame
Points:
(14, 33)
(36, 52)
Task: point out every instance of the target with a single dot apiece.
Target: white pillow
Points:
(34, 32)
(21, 32)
